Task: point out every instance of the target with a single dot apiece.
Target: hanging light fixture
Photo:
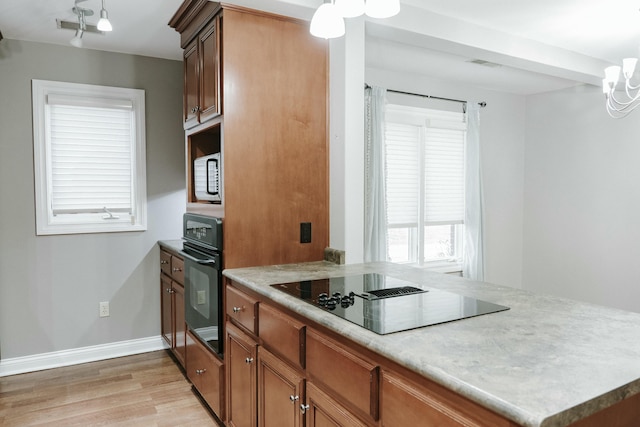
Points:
(103, 23)
(630, 100)
(382, 8)
(327, 22)
(350, 8)
(328, 19)
(81, 27)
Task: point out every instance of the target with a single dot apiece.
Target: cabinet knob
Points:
(248, 360)
(176, 269)
(170, 291)
(200, 371)
(162, 261)
(293, 398)
(237, 309)
(304, 408)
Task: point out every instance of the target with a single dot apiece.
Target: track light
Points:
(103, 23)
(81, 27)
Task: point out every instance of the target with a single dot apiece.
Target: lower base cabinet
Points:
(323, 411)
(206, 373)
(280, 392)
(241, 353)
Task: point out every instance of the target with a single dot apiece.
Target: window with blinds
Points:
(424, 183)
(89, 158)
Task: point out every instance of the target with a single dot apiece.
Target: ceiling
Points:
(531, 47)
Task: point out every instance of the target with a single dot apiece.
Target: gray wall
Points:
(50, 286)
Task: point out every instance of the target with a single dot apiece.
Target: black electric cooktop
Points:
(384, 304)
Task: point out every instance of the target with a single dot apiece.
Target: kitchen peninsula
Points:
(545, 362)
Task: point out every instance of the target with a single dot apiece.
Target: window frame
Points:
(79, 223)
(423, 119)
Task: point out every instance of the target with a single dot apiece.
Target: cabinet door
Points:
(323, 411)
(166, 310)
(209, 101)
(179, 325)
(280, 392)
(240, 357)
(191, 72)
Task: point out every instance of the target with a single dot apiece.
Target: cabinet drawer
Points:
(353, 380)
(282, 334)
(165, 262)
(242, 309)
(206, 373)
(177, 269)
(403, 402)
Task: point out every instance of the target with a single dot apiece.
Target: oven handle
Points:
(205, 261)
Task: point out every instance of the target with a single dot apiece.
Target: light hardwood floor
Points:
(142, 390)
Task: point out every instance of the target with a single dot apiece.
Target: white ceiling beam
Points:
(429, 30)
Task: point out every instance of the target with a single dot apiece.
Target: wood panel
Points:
(354, 380)
(142, 390)
(282, 334)
(275, 140)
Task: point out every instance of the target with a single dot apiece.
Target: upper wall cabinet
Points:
(201, 64)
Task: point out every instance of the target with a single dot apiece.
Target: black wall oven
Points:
(202, 251)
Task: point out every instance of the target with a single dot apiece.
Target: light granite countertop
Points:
(546, 362)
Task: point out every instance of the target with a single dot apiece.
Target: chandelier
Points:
(621, 104)
(328, 20)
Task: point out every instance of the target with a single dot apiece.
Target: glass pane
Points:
(399, 244)
(442, 242)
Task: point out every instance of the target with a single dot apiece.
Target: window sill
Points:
(446, 267)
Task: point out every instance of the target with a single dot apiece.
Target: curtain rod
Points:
(481, 104)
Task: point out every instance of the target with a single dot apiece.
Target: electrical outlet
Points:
(104, 309)
(305, 232)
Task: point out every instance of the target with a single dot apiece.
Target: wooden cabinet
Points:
(349, 377)
(240, 358)
(280, 392)
(404, 402)
(269, 78)
(324, 411)
(202, 76)
(206, 373)
(173, 327)
(307, 376)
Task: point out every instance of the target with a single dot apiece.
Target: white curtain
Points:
(473, 255)
(375, 212)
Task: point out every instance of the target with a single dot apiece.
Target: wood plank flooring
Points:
(141, 390)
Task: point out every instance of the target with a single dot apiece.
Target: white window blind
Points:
(402, 143)
(89, 158)
(425, 166)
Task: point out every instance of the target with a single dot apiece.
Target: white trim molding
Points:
(76, 356)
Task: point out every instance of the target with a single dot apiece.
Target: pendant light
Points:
(327, 22)
(382, 8)
(350, 8)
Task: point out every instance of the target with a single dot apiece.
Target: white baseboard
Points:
(75, 356)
